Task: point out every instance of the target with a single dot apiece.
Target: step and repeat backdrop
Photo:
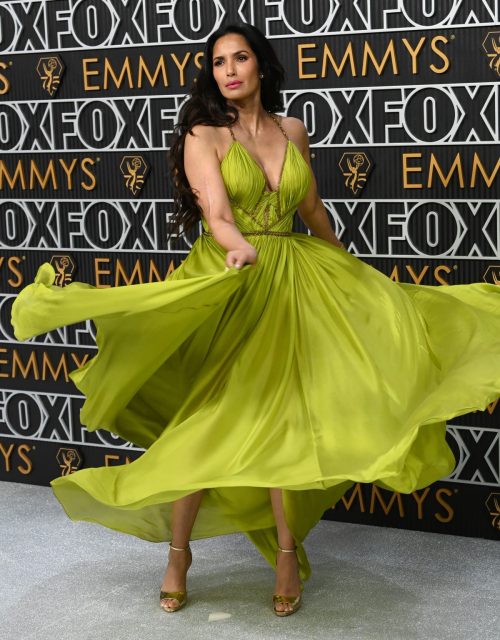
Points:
(401, 102)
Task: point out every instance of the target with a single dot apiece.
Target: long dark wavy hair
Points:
(207, 106)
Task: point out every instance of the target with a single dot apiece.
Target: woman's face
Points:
(235, 67)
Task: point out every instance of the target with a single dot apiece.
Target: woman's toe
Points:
(170, 603)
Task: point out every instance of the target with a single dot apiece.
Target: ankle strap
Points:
(179, 548)
(287, 549)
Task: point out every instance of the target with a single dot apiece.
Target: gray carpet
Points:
(67, 580)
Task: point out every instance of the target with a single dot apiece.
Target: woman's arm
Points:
(202, 168)
(311, 209)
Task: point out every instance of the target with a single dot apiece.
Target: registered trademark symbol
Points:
(456, 490)
(97, 159)
(23, 257)
(453, 36)
(455, 266)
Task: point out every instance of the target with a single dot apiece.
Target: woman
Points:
(272, 370)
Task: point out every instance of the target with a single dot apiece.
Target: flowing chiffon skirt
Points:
(310, 372)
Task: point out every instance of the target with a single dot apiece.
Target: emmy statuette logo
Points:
(491, 44)
(134, 170)
(355, 165)
(50, 71)
(69, 460)
(492, 274)
(64, 268)
(493, 506)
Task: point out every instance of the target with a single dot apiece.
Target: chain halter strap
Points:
(271, 115)
(282, 130)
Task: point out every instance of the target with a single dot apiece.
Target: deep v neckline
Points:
(252, 159)
(260, 168)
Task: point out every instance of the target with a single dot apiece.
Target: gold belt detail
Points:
(256, 233)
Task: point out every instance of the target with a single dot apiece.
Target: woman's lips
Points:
(233, 85)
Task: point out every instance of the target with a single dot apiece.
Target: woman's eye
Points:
(216, 64)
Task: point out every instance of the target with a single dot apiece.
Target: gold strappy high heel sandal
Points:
(295, 601)
(180, 596)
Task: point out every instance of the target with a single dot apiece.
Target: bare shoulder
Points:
(296, 130)
(203, 134)
(208, 139)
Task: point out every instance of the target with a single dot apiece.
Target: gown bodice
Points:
(256, 210)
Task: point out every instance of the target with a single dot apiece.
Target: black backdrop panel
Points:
(90, 89)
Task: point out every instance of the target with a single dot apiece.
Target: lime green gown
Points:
(310, 372)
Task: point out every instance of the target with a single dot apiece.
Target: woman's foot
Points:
(287, 578)
(175, 575)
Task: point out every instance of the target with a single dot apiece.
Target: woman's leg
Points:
(287, 576)
(184, 512)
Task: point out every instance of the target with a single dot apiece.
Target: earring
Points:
(261, 75)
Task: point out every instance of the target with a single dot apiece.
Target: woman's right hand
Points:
(239, 257)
